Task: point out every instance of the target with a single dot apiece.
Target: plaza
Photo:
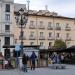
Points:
(23, 30)
(70, 70)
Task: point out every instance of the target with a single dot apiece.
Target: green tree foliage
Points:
(59, 44)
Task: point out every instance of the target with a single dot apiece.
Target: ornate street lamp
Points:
(21, 20)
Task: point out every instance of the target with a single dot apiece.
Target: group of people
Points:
(31, 59)
(7, 64)
(56, 58)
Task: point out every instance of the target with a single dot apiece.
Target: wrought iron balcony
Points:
(50, 28)
(20, 38)
(68, 39)
(41, 38)
(32, 26)
(58, 28)
(42, 47)
(50, 47)
(32, 38)
(7, 31)
(58, 38)
(50, 38)
(68, 29)
(41, 27)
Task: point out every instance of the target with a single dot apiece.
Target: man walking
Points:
(33, 57)
(24, 61)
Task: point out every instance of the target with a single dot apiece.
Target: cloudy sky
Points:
(62, 7)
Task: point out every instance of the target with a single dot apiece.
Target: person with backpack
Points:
(33, 57)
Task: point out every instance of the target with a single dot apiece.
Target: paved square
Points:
(70, 70)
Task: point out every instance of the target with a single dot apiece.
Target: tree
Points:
(59, 44)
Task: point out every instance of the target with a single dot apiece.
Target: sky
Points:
(62, 7)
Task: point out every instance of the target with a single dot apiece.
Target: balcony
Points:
(7, 31)
(41, 38)
(41, 27)
(50, 38)
(68, 39)
(32, 38)
(50, 47)
(58, 28)
(42, 47)
(32, 27)
(58, 38)
(22, 38)
(68, 29)
(50, 28)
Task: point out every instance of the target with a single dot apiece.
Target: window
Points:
(41, 43)
(49, 24)
(57, 35)
(7, 27)
(31, 43)
(31, 34)
(7, 53)
(67, 35)
(41, 34)
(7, 40)
(7, 9)
(67, 25)
(50, 34)
(57, 24)
(41, 23)
(7, 17)
(31, 23)
(50, 43)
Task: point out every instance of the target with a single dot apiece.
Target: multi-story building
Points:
(42, 28)
(7, 8)
(6, 23)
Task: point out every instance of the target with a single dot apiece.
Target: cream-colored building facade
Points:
(42, 28)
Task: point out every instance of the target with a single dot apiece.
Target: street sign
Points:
(17, 47)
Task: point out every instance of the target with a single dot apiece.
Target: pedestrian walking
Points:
(6, 64)
(33, 57)
(24, 62)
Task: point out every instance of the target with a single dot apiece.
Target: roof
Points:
(7, 1)
(45, 13)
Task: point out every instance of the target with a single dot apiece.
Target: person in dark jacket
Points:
(24, 61)
(33, 57)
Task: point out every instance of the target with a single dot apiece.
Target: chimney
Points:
(46, 7)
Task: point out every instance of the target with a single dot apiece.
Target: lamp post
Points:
(21, 20)
(0, 45)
